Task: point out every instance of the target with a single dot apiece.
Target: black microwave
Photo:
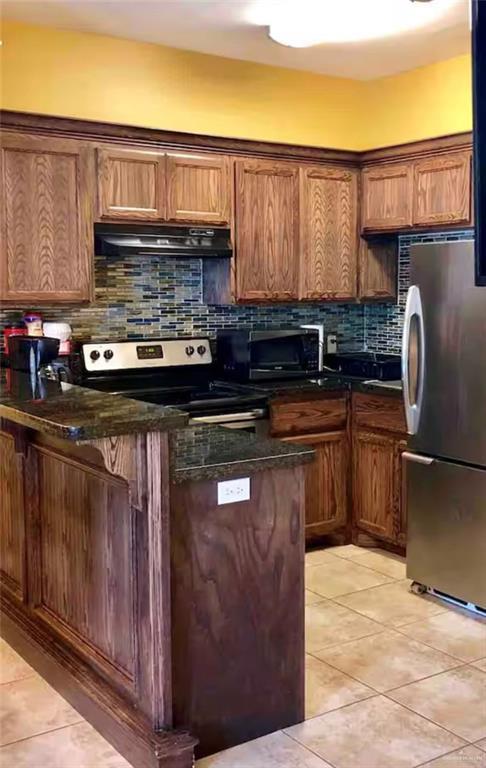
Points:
(258, 355)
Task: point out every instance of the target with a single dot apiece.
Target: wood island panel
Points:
(12, 539)
(238, 609)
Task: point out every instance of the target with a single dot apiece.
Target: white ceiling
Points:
(228, 28)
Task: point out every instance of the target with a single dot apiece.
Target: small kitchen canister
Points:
(33, 323)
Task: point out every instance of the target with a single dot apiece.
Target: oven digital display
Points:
(152, 352)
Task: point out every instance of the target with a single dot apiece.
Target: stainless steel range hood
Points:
(117, 240)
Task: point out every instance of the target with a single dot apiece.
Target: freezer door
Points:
(444, 354)
(446, 506)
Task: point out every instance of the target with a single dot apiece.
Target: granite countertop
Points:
(206, 452)
(327, 383)
(77, 413)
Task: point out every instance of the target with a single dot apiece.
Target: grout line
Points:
(21, 679)
(43, 733)
(424, 717)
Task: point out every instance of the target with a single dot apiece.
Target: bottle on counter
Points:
(33, 323)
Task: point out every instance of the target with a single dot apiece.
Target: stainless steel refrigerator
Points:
(444, 378)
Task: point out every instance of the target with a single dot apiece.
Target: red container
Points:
(17, 329)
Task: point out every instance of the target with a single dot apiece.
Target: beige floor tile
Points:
(455, 699)
(375, 733)
(387, 660)
(77, 746)
(392, 604)
(383, 562)
(454, 632)
(340, 577)
(468, 757)
(327, 688)
(318, 556)
(347, 551)
(274, 751)
(29, 707)
(12, 666)
(328, 624)
(481, 664)
(312, 597)
(482, 744)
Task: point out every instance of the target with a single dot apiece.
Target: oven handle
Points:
(220, 418)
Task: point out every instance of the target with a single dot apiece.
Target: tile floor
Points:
(394, 680)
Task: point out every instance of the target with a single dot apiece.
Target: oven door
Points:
(254, 421)
(283, 353)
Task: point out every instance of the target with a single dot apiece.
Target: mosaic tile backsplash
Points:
(139, 297)
(383, 323)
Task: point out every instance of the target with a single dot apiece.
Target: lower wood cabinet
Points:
(326, 483)
(377, 485)
(12, 540)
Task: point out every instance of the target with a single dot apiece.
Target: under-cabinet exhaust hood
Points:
(188, 242)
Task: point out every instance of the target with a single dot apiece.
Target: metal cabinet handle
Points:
(417, 458)
(413, 308)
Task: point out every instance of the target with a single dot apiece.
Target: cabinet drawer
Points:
(379, 412)
(292, 417)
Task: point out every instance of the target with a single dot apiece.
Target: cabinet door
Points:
(47, 220)
(326, 484)
(329, 243)
(131, 184)
(267, 231)
(387, 196)
(442, 189)
(376, 484)
(378, 269)
(198, 188)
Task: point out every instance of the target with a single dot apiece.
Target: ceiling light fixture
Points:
(303, 23)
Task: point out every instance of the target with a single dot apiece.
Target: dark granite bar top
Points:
(77, 413)
(206, 452)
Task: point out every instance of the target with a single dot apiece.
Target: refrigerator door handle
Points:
(417, 458)
(413, 405)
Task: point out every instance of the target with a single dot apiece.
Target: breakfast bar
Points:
(167, 619)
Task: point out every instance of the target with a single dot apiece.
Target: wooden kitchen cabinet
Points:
(328, 227)
(378, 269)
(131, 184)
(326, 482)
(267, 231)
(376, 483)
(47, 187)
(198, 188)
(387, 196)
(378, 427)
(442, 190)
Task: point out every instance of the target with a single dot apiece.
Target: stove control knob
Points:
(94, 355)
(201, 349)
(108, 354)
(189, 351)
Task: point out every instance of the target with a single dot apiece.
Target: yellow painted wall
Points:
(73, 74)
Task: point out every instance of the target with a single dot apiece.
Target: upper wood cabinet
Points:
(387, 196)
(141, 185)
(328, 227)
(442, 189)
(267, 230)
(131, 184)
(47, 189)
(378, 269)
(198, 188)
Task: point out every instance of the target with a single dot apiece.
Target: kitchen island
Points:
(165, 618)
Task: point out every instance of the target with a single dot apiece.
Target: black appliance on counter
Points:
(246, 355)
(171, 372)
(118, 240)
(32, 353)
(364, 365)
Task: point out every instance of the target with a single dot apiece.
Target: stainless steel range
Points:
(175, 372)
